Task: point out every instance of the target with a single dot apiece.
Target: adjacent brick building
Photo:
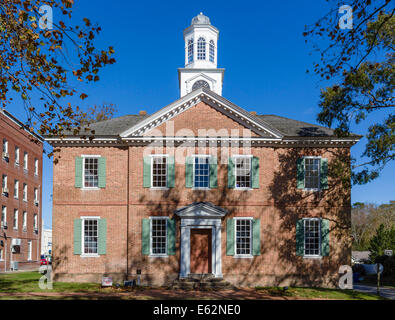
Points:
(202, 187)
(21, 176)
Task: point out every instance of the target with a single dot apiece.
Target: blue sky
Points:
(260, 45)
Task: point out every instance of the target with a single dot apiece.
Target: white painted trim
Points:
(251, 238)
(83, 218)
(152, 169)
(162, 255)
(235, 171)
(312, 256)
(319, 173)
(85, 156)
(194, 156)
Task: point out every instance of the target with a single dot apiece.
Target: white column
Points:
(185, 252)
(218, 257)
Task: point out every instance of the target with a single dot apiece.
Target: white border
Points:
(157, 255)
(83, 218)
(84, 156)
(319, 173)
(152, 175)
(312, 256)
(248, 256)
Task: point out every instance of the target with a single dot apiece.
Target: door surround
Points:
(206, 216)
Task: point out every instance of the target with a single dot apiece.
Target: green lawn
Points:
(319, 293)
(27, 282)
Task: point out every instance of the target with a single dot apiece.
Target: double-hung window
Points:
(243, 234)
(201, 172)
(36, 167)
(25, 161)
(4, 185)
(5, 149)
(16, 213)
(159, 171)
(29, 250)
(3, 216)
(158, 236)
(35, 222)
(312, 173)
(17, 156)
(312, 237)
(91, 172)
(243, 172)
(90, 230)
(25, 192)
(24, 221)
(16, 189)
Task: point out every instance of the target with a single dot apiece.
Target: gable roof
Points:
(267, 126)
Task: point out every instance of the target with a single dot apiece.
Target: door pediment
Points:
(201, 210)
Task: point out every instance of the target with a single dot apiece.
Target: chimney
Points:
(143, 113)
(253, 113)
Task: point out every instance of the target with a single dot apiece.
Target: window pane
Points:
(243, 236)
(202, 172)
(201, 49)
(243, 172)
(190, 51)
(91, 173)
(159, 172)
(312, 237)
(158, 236)
(312, 173)
(90, 236)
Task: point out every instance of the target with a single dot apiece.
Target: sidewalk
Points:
(388, 293)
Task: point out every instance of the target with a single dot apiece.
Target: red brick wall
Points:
(18, 137)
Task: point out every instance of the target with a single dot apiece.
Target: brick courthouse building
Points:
(202, 186)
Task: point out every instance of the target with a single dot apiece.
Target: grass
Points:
(27, 282)
(318, 293)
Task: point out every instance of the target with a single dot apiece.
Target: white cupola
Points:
(200, 57)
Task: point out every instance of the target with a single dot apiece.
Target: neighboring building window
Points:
(159, 172)
(35, 222)
(16, 214)
(36, 167)
(29, 250)
(1, 255)
(17, 156)
(25, 160)
(35, 195)
(5, 148)
(91, 172)
(243, 236)
(24, 221)
(212, 51)
(24, 192)
(3, 216)
(201, 49)
(243, 172)
(90, 236)
(312, 173)
(4, 184)
(312, 236)
(190, 50)
(16, 189)
(159, 236)
(201, 172)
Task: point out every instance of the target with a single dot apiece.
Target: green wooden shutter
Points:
(300, 238)
(77, 235)
(170, 172)
(324, 237)
(230, 237)
(102, 243)
(255, 172)
(324, 174)
(231, 173)
(147, 172)
(189, 172)
(213, 172)
(78, 172)
(300, 173)
(171, 237)
(102, 172)
(145, 236)
(256, 237)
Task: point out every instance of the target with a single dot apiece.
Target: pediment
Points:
(220, 104)
(203, 210)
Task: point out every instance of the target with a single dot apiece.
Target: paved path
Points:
(384, 292)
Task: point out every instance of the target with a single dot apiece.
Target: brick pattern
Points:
(26, 143)
(277, 203)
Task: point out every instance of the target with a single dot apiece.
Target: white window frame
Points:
(16, 219)
(24, 221)
(84, 156)
(17, 155)
(319, 238)
(25, 192)
(16, 188)
(319, 173)
(152, 170)
(4, 216)
(36, 167)
(83, 218)
(150, 233)
(29, 250)
(201, 156)
(235, 170)
(250, 255)
(25, 161)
